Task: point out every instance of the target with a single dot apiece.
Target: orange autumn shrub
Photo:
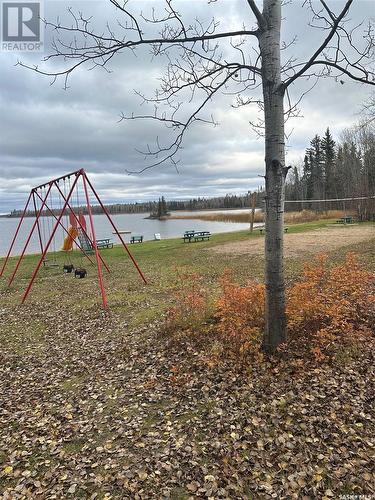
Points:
(327, 306)
(240, 316)
(331, 303)
(192, 305)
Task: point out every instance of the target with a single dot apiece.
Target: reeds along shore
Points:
(244, 217)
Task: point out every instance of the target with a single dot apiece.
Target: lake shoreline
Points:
(28, 216)
(169, 229)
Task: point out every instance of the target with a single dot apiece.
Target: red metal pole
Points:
(15, 236)
(115, 228)
(100, 275)
(39, 234)
(49, 241)
(67, 232)
(29, 237)
(83, 229)
(66, 176)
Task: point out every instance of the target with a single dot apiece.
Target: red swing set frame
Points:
(34, 196)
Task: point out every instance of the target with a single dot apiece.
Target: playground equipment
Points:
(69, 239)
(44, 199)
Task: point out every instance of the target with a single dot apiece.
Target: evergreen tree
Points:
(164, 210)
(308, 176)
(158, 213)
(366, 142)
(328, 157)
(316, 166)
(313, 169)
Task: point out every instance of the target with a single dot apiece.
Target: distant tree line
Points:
(335, 170)
(162, 207)
(330, 169)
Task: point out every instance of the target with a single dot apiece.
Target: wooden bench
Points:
(136, 239)
(104, 243)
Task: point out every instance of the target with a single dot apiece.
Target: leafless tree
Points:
(368, 112)
(204, 61)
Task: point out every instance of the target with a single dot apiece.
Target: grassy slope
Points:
(95, 403)
(159, 261)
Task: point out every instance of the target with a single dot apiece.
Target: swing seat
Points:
(80, 273)
(68, 268)
(47, 263)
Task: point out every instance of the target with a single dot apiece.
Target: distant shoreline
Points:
(164, 217)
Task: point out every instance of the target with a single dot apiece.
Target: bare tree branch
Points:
(345, 71)
(368, 110)
(328, 10)
(200, 67)
(127, 13)
(171, 150)
(259, 16)
(318, 52)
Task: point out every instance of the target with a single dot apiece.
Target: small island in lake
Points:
(161, 211)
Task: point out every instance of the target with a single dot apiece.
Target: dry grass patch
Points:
(318, 240)
(244, 216)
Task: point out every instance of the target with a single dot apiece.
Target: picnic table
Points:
(104, 243)
(188, 235)
(347, 219)
(191, 235)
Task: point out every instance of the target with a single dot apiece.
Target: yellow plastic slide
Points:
(69, 239)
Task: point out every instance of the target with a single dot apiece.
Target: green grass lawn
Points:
(160, 261)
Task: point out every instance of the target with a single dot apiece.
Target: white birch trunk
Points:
(273, 95)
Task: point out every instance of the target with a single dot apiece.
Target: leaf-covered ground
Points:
(96, 405)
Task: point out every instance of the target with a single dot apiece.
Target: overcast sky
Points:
(46, 131)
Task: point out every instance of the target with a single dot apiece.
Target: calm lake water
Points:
(136, 223)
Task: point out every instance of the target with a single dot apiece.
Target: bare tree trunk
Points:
(273, 94)
(252, 217)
